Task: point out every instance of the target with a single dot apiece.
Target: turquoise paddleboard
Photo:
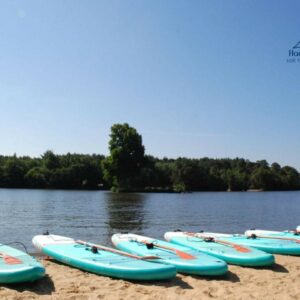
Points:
(273, 246)
(186, 260)
(17, 266)
(100, 259)
(229, 252)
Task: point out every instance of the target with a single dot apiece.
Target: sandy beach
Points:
(282, 281)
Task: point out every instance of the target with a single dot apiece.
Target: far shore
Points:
(154, 191)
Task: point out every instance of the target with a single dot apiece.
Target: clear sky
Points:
(195, 78)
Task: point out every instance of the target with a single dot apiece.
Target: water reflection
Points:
(125, 212)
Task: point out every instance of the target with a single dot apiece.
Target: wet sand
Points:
(282, 281)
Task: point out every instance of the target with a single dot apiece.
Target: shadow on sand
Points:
(275, 268)
(43, 286)
(177, 281)
(279, 268)
(229, 276)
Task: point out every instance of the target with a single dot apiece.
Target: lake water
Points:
(95, 215)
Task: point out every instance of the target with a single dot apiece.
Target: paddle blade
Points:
(184, 255)
(179, 253)
(241, 249)
(235, 246)
(11, 260)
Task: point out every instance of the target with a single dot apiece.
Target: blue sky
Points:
(195, 78)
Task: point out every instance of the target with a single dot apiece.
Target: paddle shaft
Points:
(277, 238)
(115, 251)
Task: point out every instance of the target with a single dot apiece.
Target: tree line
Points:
(127, 168)
(70, 171)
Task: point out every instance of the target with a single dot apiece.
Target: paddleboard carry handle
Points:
(149, 245)
(296, 232)
(252, 236)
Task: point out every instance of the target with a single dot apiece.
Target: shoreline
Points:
(63, 282)
(148, 191)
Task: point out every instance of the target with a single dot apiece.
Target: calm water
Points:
(95, 216)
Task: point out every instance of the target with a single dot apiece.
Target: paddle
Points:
(116, 251)
(276, 238)
(237, 247)
(10, 260)
(179, 253)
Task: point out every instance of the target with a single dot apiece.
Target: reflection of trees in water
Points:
(125, 212)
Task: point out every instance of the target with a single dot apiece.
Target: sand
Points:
(282, 281)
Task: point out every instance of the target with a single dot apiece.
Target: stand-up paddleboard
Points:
(186, 260)
(288, 235)
(273, 246)
(230, 252)
(17, 266)
(101, 260)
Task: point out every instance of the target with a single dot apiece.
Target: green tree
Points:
(14, 172)
(123, 166)
(262, 178)
(290, 178)
(50, 160)
(37, 177)
(236, 180)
